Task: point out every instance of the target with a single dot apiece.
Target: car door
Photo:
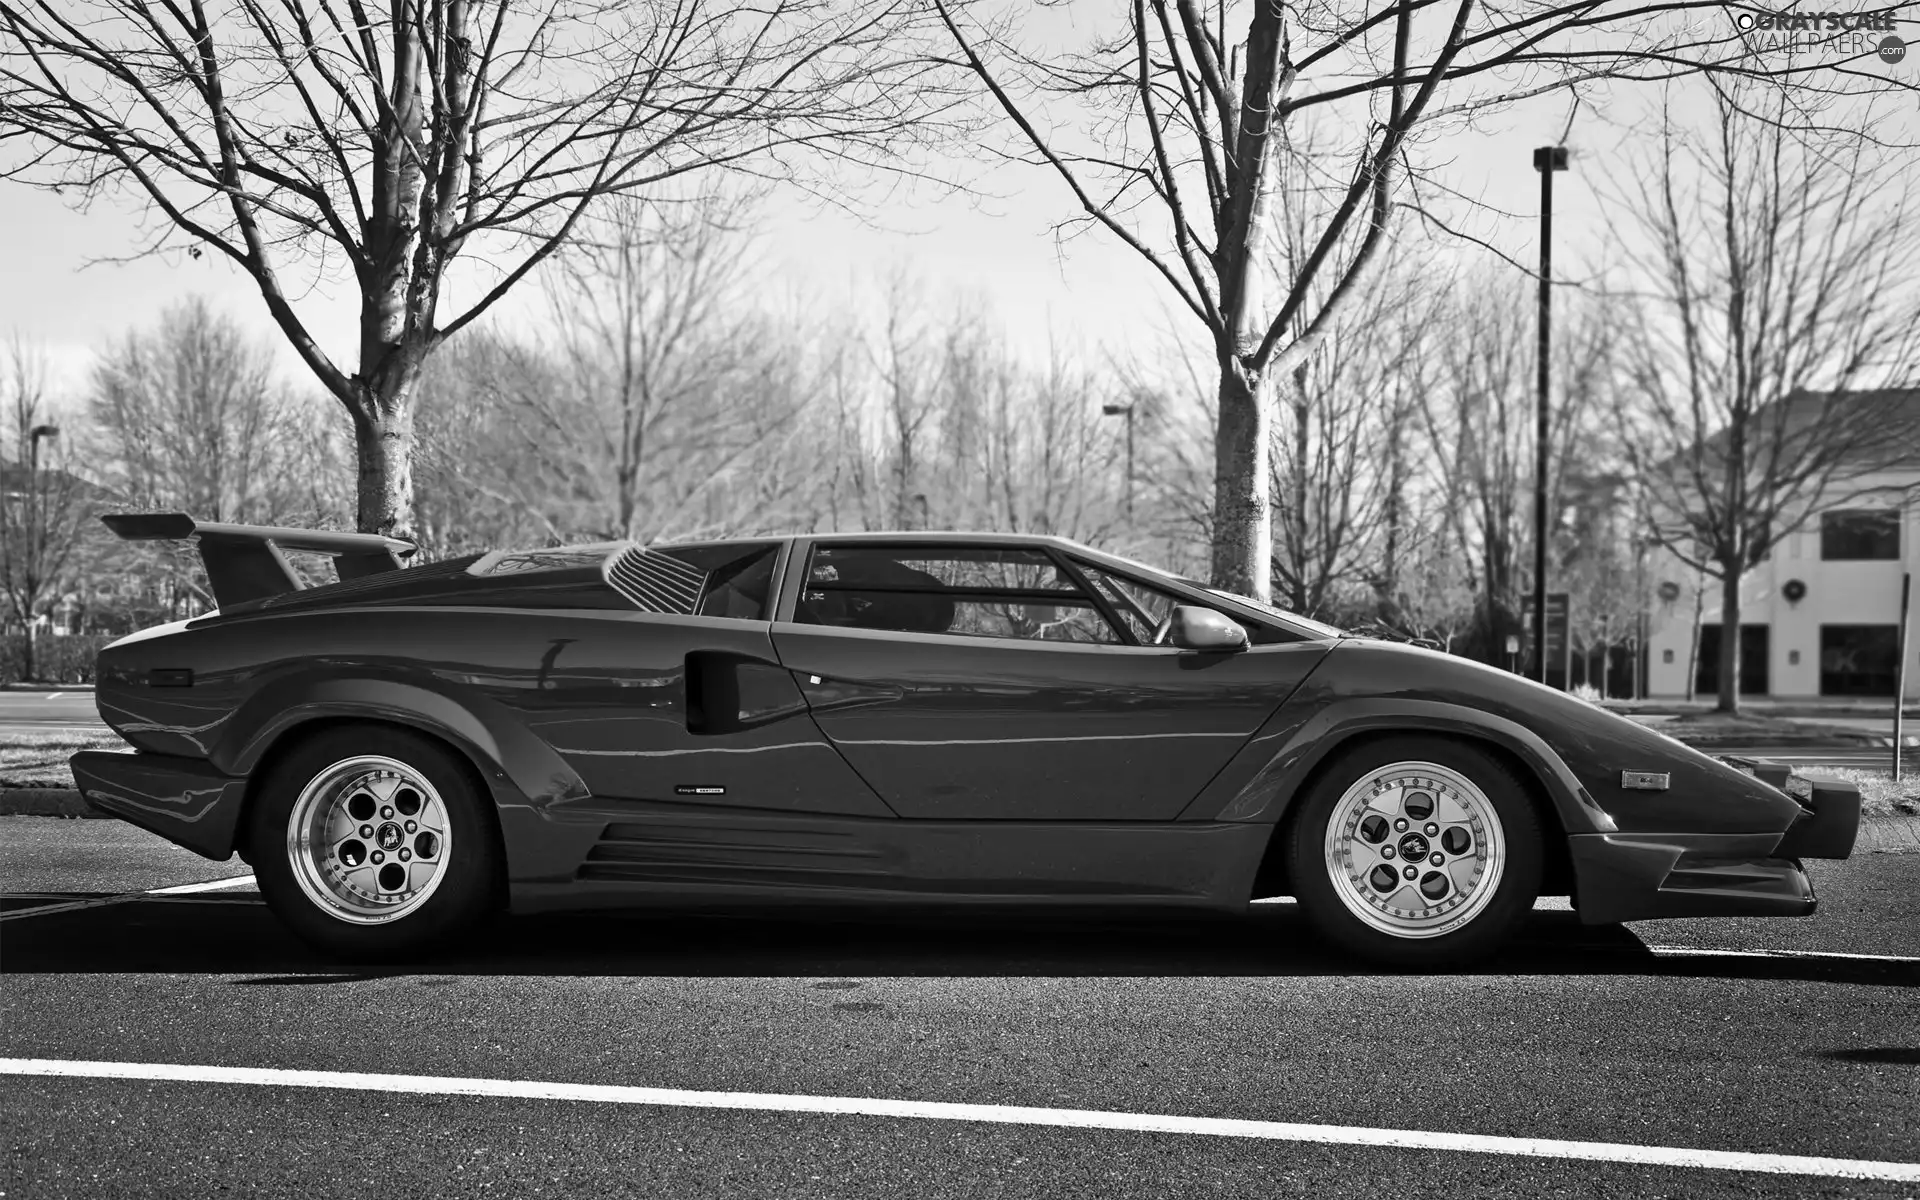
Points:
(995, 681)
(684, 702)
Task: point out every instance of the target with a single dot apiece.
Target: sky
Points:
(996, 248)
(999, 251)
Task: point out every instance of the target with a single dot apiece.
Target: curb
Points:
(1888, 835)
(45, 802)
(1897, 834)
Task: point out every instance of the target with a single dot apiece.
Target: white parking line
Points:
(998, 1114)
(184, 889)
(1691, 951)
(211, 885)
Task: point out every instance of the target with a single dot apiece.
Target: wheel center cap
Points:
(1413, 847)
(390, 836)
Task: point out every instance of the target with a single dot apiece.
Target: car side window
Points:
(991, 592)
(738, 578)
(1145, 608)
(740, 588)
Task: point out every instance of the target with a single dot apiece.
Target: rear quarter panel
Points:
(565, 714)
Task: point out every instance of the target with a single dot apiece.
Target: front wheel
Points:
(372, 842)
(1416, 851)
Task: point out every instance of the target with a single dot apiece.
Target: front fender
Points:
(1273, 767)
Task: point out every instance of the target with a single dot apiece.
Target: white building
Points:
(1819, 616)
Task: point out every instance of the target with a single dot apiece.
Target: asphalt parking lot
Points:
(761, 1024)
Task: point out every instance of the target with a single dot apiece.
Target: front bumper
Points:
(183, 800)
(1644, 876)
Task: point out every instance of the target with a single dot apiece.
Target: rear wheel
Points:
(1416, 851)
(373, 842)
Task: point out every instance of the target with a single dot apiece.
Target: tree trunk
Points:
(29, 644)
(1387, 587)
(1305, 544)
(1242, 513)
(1729, 682)
(383, 443)
(1693, 643)
(1606, 657)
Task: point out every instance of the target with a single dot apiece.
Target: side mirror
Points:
(1196, 628)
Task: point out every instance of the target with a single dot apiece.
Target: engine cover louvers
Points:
(655, 582)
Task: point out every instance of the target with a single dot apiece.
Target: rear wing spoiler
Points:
(244, 562)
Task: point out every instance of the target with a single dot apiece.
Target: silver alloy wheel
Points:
(368, 839)
(1415, 849)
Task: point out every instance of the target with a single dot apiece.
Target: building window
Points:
(1753, 660)
(1858, 660)
(1851, 535)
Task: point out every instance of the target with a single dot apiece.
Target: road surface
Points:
(49, 711)
(1645, 1040)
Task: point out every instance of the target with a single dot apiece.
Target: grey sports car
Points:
(946, 718)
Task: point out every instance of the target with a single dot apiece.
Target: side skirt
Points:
(651, 854)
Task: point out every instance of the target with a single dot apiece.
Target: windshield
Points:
(1291, 617)
(1308, 623)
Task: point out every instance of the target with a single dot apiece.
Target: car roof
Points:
(945, 536)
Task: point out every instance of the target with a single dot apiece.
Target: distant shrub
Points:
(1585, 691)
(57, 659)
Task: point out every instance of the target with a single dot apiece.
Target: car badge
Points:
(697, 789)
(1645, 781)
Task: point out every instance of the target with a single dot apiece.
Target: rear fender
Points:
(522, 772)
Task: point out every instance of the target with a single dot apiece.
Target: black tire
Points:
(1348, 902)
(315, 895)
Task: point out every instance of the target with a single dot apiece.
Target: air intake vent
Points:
(655, 582)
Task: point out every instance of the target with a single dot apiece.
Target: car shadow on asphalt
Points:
(236, 935)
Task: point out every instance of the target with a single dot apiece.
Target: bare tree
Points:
(1597, 564)
(190, 417)
(943, 425)
(305, 134)
(1194, 119)
(1343, 418)
(1436, 591)
(905, 361)
(42, 505)
(1777, 271)
(1046, 461)
(667, 354)
(657, 406)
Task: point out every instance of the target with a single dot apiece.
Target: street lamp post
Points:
(1125, 410)
(1546, 160)
(35, 541)
(33, 483)
(33, 448)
